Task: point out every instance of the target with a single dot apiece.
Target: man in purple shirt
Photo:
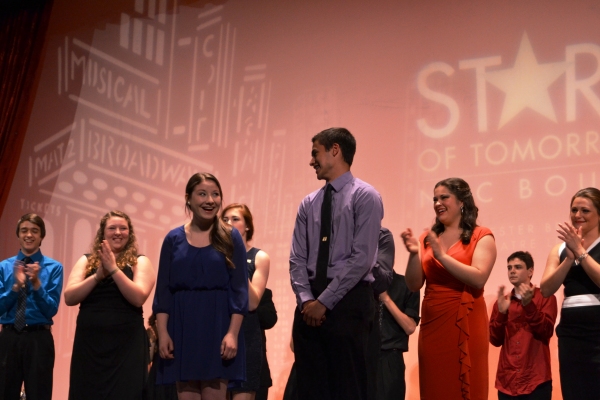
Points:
(331, 327)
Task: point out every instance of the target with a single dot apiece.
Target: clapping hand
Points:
(526, 292)
(31, 271)
(572, 237)
(410, 242)
(107, 259)
(503, 300)
(19, 274)
(434, 241)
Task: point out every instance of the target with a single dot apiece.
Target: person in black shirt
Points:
(398, 318)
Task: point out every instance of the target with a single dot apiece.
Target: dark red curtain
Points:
(23, 26)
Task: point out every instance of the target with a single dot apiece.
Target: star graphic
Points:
(526, 84)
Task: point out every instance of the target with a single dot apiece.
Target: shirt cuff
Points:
(328, 298)
(303, 297)
(40, 293)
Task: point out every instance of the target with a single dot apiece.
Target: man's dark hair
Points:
(523, 256)
(34, 219)
(342, 137)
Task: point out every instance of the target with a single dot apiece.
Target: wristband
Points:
(114, 271)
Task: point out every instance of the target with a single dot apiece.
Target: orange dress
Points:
(453, 338)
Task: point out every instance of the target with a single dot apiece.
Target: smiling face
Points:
(30, 238)
(322, 161)
(205, 200)
(116, 233)
(234, 217)
(518, 272)
(446, 206)
(584, 214)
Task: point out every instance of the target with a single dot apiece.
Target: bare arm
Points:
(406, 323)
(555, 272)
(476, 274)
(136, 291)
(256, 287)
(414, 275)
(573, 238)
(78, 286)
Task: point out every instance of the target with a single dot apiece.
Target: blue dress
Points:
(200, 292)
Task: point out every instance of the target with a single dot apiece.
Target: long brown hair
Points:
(128, 256)
(220, 233)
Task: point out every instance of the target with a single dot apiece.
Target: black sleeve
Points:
(383, 270)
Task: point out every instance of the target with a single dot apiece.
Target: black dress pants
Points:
(390, 375)
(26, 357)
(331, 360)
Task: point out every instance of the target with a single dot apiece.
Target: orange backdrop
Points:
(135, 97)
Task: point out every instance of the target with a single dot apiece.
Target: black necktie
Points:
(320, 282)
(22, 302)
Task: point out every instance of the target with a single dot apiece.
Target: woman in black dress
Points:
(239, 216)
(110, 350)
(574, 263)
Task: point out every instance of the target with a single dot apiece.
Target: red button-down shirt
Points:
(524, 334)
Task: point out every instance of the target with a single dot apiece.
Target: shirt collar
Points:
(36, 257)
(339, 182)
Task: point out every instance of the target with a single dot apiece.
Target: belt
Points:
(28, 328)
(581, 300)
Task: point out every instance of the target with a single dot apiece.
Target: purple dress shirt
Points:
(357, 211)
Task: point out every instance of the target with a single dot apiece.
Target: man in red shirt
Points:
(522, 323)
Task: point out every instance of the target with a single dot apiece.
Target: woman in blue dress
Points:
(201, 298)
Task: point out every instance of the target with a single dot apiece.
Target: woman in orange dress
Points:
(455, 258)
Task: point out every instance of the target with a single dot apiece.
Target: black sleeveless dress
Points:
(110, 350)
(579, 336)
(254, 340)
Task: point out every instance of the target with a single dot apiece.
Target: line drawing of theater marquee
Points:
(131, 144)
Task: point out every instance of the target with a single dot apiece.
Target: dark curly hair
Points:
(128, 256)
(469, 212)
